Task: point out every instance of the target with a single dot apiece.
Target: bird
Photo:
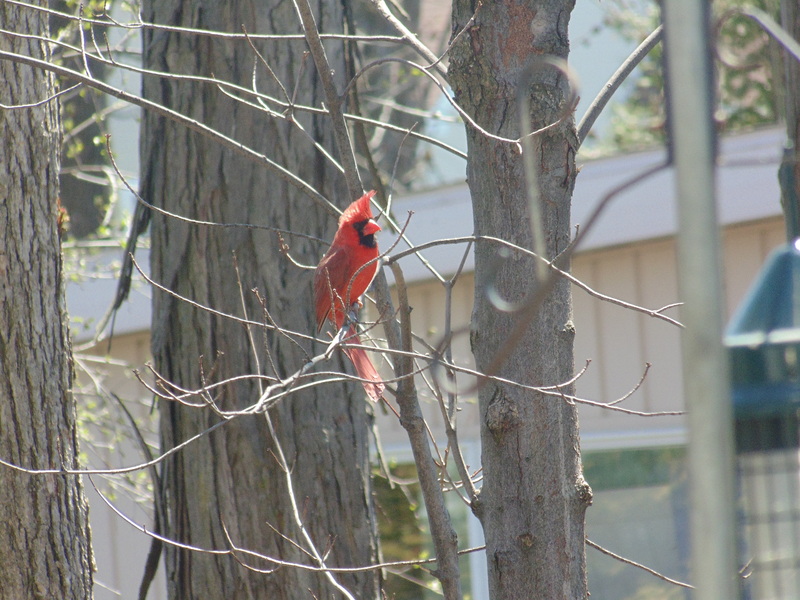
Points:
(338, 283)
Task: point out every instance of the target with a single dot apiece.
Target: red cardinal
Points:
(337, 286)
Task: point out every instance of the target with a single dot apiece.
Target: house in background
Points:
(635, 464)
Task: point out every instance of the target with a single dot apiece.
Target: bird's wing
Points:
(330, 285)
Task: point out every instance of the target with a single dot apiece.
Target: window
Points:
(403, 529)
(641, 512)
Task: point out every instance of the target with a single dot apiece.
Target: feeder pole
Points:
(705, 365)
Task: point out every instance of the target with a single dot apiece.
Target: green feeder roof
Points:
(763, 339)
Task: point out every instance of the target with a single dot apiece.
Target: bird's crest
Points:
(360, 210)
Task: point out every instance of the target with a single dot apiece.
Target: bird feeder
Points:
(763, 341)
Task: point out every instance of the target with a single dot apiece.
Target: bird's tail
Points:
(372, 382)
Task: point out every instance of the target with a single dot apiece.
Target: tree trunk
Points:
(790, 175)
(231, 477)
(45, 550)
(533, 499)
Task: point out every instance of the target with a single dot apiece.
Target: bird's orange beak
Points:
(371, 227)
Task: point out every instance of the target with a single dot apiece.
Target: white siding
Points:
(617, 340)
(120, 550)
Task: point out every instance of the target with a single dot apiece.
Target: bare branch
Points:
(656, 313)
(449, 412)
(227, 87)
(409, 37)
(628, 561)
(338, 123)
(531, 305)
(633, 390)
(117, 471)
(444, 538)
(40, 102)
(620, 75)
(109, 21)
(188, 122)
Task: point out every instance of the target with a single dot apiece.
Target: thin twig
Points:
(628, 561)
(625, 69)
(286, 106)
(457, 36)
(531, 305)
(333, 98)
(43, 101)
(449, 412)
(633, 390)
(120, 470)
(656, 313)
(410, 38)
(108, 21)
(298, 520)
(193, 124)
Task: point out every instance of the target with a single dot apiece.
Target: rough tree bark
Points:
(45, 551)
(533, 499)
(231, 476)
